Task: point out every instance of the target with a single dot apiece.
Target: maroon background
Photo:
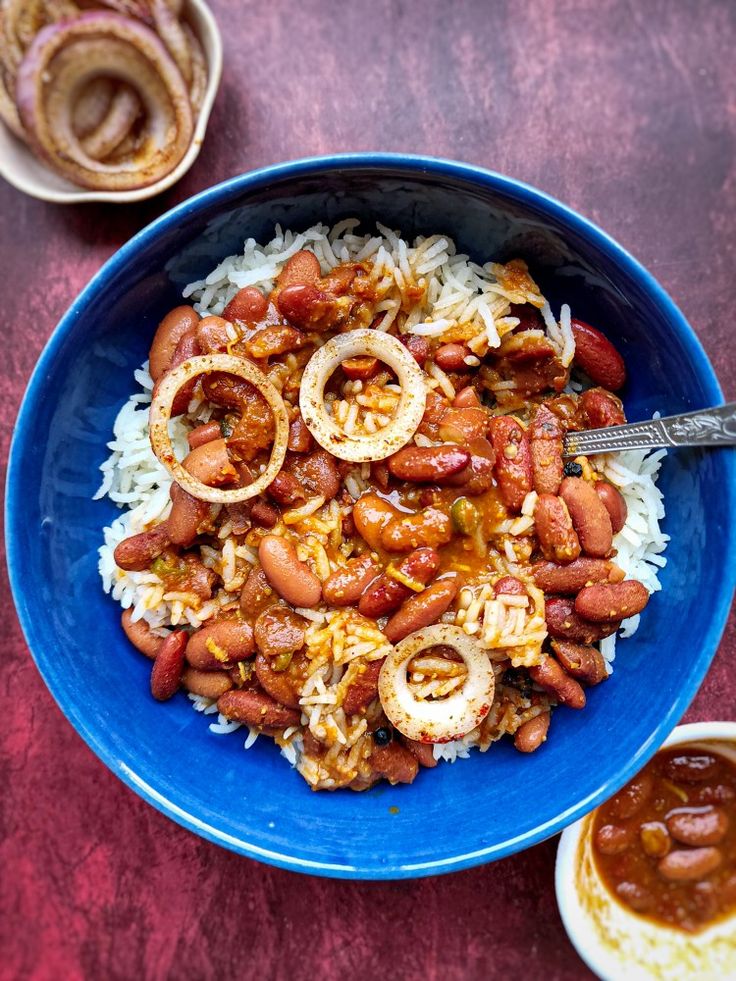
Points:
(626, 111)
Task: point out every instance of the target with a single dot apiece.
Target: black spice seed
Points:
(573, 469)
(382, 736)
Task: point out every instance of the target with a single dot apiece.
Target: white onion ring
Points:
(63, 58)
(447, 718)
(163, 399)
(375, 446)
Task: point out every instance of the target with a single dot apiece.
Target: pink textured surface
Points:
(626, 112)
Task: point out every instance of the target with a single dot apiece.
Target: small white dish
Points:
(25, 171)
(615, 942)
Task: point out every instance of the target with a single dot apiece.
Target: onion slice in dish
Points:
(357, 447)
(163, 398)
(124, 109)
(63, 58)
(440, 720)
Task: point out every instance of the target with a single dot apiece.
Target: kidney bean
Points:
(363, 689)
(478, 476)
(529, 316)
(300, 439)
(513, 460)
(582, 662)
(348, 584)
(318, 473)
(601, 409)
(309, 308)
(509, 586)
(553, 678)
(598, 358)
(589, 516)
(219, 644)
(520, 347)
(168, 666)
(611, 601)
(421, 610)
(531, 734)
(637, 897)
(172, 328)
(208, 684)
(563, 623)
(423, 753)
(690, 827)
(614, 503)
(387, 594)
(254, 708)
(631, 798)
(428, 464)
(248, 306)
(263, 515)
(197, 578)
(654, 838)
(280, 685)
(204, 434)
(256, 593)
(360, 368)
(274, 340)
(467, 398)
(211, 464)
(212, 335)
(286, 490)
(302, 267)
(418, 347)
(380, 475)
(571, 578)
(394, 762)
(557, 537)
(371, 515)
(463, 424)
(278, 630)
(612, 839)
(545, 444)
(434, 412)
(292, 579)
(140, 635)
(691, 768)
(451, 357)
(135, 554)
(692, 863)
(720, 793)
(186, 516)
(188, 347)
(430, 528)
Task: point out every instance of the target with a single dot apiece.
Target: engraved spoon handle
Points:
(706, 427)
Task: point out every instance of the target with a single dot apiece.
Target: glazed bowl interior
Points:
(457, 815)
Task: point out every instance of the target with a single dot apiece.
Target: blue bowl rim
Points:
(413, 164)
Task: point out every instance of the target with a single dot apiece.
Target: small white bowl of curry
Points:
(646, 883)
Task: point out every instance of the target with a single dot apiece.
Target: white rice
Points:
(458, 291)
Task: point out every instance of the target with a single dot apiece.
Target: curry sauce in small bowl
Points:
(646, 884)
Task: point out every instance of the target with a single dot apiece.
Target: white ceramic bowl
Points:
(613, 941)
(25, 171)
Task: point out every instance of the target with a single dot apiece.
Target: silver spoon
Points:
(706, 427)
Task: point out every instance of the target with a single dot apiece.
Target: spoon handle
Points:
(706, 427)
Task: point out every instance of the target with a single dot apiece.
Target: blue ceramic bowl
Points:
(455, 816)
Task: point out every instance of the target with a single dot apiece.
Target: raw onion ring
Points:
(163, 399)
(93, 104)
(355, 447)
(171, 31)
(63, 58)
(123, 111)
(444, 719)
